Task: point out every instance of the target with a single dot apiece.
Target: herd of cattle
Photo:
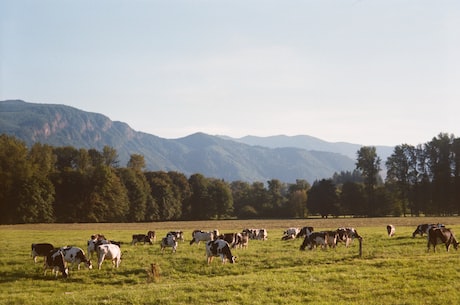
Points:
(217, 245)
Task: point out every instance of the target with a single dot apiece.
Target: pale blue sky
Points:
(370, 72)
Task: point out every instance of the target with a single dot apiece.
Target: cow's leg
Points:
(101, 259)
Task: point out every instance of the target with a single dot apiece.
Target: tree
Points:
(199, 197)
(323, 198)
(220, 202)
(369, 164)
(15, 170)
(440, 165)
(353, 199)
(136, 162)
(402, 174)
(169, 206)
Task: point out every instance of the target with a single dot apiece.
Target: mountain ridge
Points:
(213, 156)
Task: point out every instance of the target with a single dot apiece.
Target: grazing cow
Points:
(305, 231)
(40, 250)
(169, 241)
(75, 255)
(441, 236)
(290, 233)
(109, 251)
(230, 238)
(55, 261)
(262, 234)
(331, 240)
(93, 243)
(391, 230)
(252, 233)
(346, 235)
(145, 238)
(242, 240)
(219, 247)
(179, 235)
(315, 239)
(198, 236)
(424, 228)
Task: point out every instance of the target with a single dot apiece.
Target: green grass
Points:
(394, 270)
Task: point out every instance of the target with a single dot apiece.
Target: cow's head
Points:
(89, 264)
(233, 260)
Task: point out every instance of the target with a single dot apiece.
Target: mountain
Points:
(311, 143)
(212, 156)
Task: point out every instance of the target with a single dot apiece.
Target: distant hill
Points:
(311, 143)
(248, 159)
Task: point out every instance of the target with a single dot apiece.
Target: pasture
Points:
(394, 270)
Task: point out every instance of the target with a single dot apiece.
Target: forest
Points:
(46, 184)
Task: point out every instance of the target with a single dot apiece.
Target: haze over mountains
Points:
(250, 158)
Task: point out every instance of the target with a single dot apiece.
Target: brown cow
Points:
(441, 236)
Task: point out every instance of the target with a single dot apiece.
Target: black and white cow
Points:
(198, 236)
(109, 251)
(219, 247)
(290, 233)
(150, 238)
(346, 235)
(242, 240)
(314, 240)
(263, 234)
(178, 234)
(424, 228)
(391, 230)
(55, 261)
(41, 249)
(75, 255)
(230, 238)
(94, 243)
(441, 236)
(305, 231)
(169, 241)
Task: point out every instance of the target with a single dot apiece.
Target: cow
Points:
(391, 230)
(55, 261)
(198, 236)
(219, 247)
(109, 251)
(41, 249)
(94, 243)
(424, 228)
(252, 233)
(75, 255)
(305, 231)
(144, 238)
(178, 234)
(230, 238)
(242, 240)
(346, 235)
(441, 236)
(331, 240)
(290, 233)
(169, 241)
(262, 234)
(315, 239)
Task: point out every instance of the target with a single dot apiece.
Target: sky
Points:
(370, 72)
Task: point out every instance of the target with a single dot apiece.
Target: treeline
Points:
(65, 184)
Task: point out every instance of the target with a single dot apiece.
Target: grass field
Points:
(394, 270)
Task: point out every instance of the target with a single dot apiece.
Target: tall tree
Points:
(402, 174)
(199, 197)
(440, 164)
(323, 198)
(369, 164)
